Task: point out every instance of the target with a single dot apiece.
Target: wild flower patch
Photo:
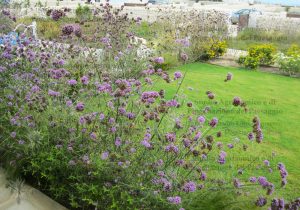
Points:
(91, 138)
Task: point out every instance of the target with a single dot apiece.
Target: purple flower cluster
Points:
(57, 14)
(293, 205)
(236, 101)
(184, 57)
(159, 60)
(236, 183)
(222, 156)
(277, 204)
(146, 140)
(53, 93)
(172, 148)
(184, 42)
(213, 123)
(283, 174)
(149, 97)
(266, 185)
(228, 77)
(58, 73)
(170, 137)
(67, 29)
(261, 201)
(257, 130)
(177, 75)
(174, 200)
(189, 187)
(79, 106)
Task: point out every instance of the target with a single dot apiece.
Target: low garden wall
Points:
(274, 22)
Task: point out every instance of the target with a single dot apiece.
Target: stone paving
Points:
(23, 197)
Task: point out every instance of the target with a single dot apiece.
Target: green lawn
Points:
(274, 98)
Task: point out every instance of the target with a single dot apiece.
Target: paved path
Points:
(25, 198)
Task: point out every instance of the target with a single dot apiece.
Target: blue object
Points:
(292, 3)
(11, 37)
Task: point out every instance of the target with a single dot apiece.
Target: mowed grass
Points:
(274, 98)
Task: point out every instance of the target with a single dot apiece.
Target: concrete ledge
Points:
(24, 197)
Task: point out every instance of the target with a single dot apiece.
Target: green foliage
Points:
(83, 13)
(293, 50)
(49, 29)
(258, 55)
(171, 60)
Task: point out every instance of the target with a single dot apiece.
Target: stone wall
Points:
(275, 22)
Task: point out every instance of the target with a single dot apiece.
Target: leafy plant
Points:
(83, 13)
(258, 55)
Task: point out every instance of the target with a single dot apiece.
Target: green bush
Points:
(258, 55)
(83, 13)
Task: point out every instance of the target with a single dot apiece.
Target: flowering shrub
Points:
(96, 141)
(6, 20)
(258, 55)
(214, 49)
(289, 62)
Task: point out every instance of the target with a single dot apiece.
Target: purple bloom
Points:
(261, 201)
(101, 117)
(159, 60)
(149, 97)
(177, 75)
(236, 101)
(118, 142)
(69, 103)
(189, 187)
(174, 200)
(266, 162)
(213, 123)
(252, 179)
(201, 119)
(229, 77)
(219, 145)
(72, 82)
(84, 80)
(263, 181)
(130, 115)
(236, 183)
(93, 136)
(104, 155)
(171, 137)
(80, 106)
(184, 56)
(222, 156)
(13, 134)
(172, 103)
(251, 136)
(197, 136)
(53, 93)
(230, 146)
(21, 141)
(67, 29)
(203, 176)
(146, 143)
(211, 96)
(172, 148)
